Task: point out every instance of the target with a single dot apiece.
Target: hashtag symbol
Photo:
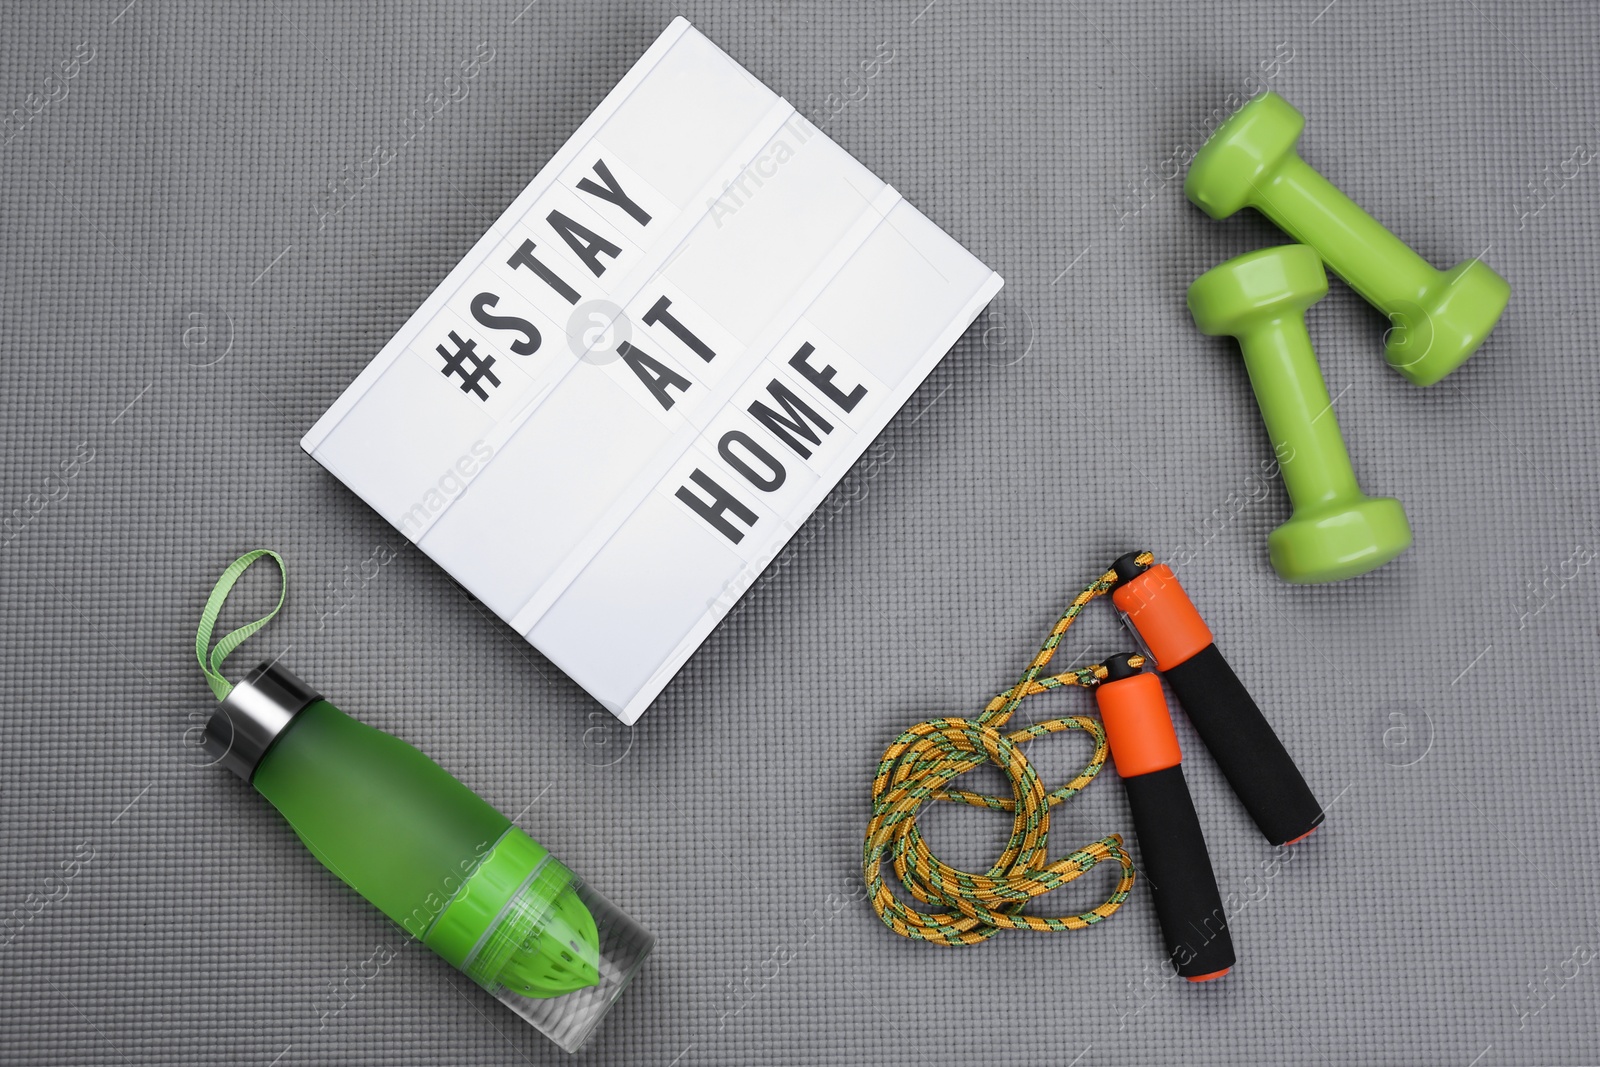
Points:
(455, 363)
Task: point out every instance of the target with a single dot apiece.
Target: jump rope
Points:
(1137, 733)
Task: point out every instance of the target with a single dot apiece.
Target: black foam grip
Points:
(1179, 873)
(1242, 742)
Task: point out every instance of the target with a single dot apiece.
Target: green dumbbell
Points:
(1440, 317)
(1336, 531)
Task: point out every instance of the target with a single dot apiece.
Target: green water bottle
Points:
(427, 851)
(431, 854)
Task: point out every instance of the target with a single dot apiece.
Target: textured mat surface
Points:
(213, 223)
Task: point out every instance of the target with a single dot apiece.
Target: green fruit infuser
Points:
(423, 848)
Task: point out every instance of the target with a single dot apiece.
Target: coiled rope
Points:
(923, 760)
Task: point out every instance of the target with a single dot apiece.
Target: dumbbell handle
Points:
(1171, 845)
(1240, 739)
(1298, 413)
(1314, 211)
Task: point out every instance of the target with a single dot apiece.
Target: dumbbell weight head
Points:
(1242, 155)
(1230, 300)
(1439, 318)
(1432, 337)
(1333, 544)
(1336, 531)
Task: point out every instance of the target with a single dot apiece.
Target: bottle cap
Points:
(252, 715)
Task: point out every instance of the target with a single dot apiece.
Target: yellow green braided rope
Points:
(918, 767)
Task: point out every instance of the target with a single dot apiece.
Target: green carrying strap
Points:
(211, 658)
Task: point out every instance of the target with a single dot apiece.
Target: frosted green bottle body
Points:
(394, 825)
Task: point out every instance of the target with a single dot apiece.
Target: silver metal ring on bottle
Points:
(252, 716)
